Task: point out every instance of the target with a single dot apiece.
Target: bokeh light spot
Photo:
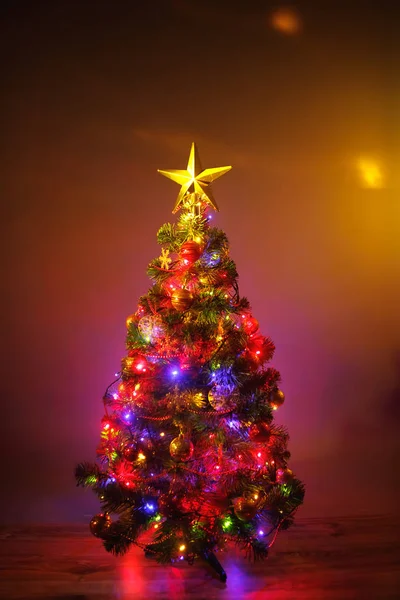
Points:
(286, 20)
(371, 172)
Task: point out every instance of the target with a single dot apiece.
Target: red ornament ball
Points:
(130, 451)
(261, 348)
(135, 364)
(250, 325)
(181, 448)
(140, 365)
(255, 344)
(190, 252)
(100, 524)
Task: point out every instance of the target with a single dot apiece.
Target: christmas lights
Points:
(189, 452)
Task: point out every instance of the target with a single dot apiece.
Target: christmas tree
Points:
(190, 457)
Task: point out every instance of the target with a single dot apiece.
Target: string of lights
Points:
(188, 444)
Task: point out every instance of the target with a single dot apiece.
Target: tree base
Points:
(215, 564)
(208, 556)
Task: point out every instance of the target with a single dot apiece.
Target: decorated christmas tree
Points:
(190, 457)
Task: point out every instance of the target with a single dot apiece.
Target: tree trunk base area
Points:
(319, 559)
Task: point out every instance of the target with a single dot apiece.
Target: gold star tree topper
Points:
(195, 180)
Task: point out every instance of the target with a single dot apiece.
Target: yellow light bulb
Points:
(141, 456)
(182, 547)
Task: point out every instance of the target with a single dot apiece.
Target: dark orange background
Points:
(96, 97)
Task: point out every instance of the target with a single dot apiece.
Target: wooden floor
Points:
(351, 558)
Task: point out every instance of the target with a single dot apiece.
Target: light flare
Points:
(370, 172)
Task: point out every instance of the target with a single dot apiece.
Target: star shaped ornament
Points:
(195, 180)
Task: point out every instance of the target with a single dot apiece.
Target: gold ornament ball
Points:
(100, 524)
(182, 299)
(130, 320)
(284, 476)
(245, 508)
(277, 398)
(181, 448)
(259, 497)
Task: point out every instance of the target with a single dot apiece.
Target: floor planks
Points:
(318, 559)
